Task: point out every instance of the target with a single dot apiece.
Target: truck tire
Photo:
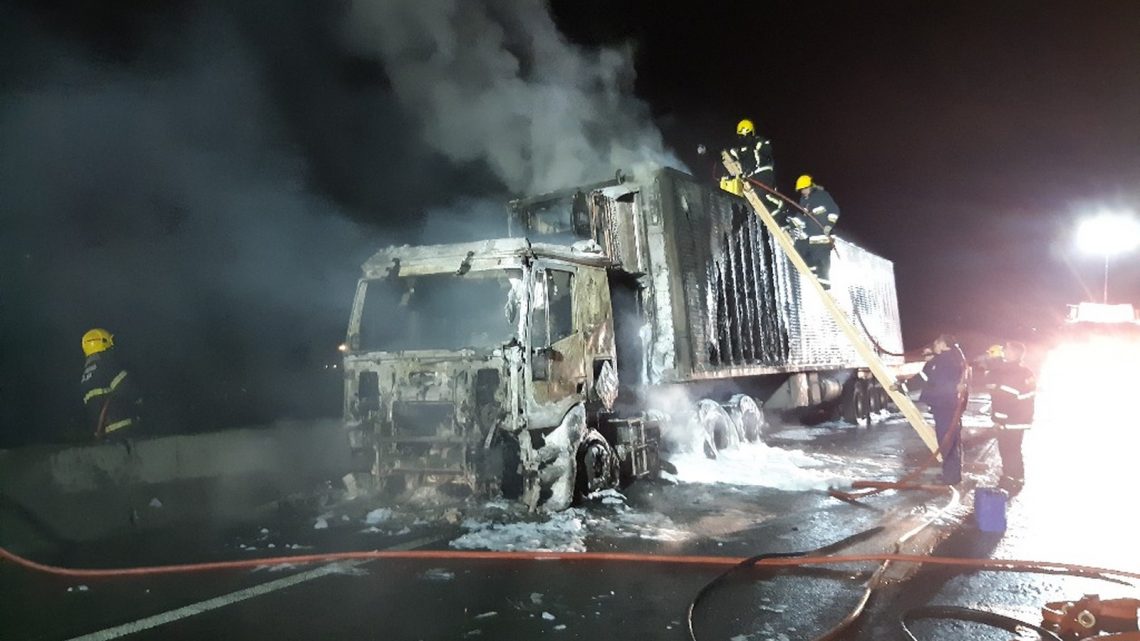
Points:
(853, 403)
(597, 466)
(874, 398)
(748, 417)
(884, 398)
(718, 427)
(862, 401)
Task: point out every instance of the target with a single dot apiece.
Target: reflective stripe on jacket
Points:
(107, 393)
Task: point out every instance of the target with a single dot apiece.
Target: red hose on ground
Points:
(623, 557)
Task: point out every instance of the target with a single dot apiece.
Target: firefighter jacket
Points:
(108, 394)
(1013, 389)
(824, 215)
(942, 376)
(754, 153)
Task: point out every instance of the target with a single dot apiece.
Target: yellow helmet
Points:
(803, 182)
(995, 351)
(745, 128)
(97, 340)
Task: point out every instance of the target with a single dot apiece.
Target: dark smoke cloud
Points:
(205, 179)
(168, 199)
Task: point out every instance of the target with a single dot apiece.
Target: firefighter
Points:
(812, 230)
(994, 355)
(754, 153)
(945, 392)
(108, 393)
(1013, 389)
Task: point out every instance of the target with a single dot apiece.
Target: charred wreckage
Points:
(533, 365)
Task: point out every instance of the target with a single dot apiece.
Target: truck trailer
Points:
(541, 365)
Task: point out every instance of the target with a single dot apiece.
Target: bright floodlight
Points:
(1109, 234)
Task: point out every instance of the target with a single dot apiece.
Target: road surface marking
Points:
(236, 597)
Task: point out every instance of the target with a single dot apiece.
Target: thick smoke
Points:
(496, 82)
(205, 182)
(167, 200)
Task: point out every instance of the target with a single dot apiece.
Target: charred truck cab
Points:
(490, 365)
(527, 365)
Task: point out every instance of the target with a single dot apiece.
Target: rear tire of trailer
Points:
(863, 401)
(597, 466)
(750, 421)
(853, 403)
(719, 430)
(874, 398)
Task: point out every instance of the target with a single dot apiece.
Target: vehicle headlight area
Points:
(1088, 409)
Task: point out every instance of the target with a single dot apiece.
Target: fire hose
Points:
(823, 556)
(1082, 620)
(1012, 565)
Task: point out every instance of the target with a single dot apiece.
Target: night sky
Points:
(204, 178)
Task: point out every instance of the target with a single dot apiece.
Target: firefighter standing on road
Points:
(812, 231)
(754, 153)
(108, 394)
(1013, 388)
(944, 391)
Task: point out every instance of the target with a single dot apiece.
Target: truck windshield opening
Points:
(441, 311)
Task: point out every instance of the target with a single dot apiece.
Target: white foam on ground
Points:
(755, 464)
(804, 433)
(651, 526)
(608, 497)
(379, 515)
(568, 530)
(559, 532)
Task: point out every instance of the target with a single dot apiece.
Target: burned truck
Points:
(536, 365)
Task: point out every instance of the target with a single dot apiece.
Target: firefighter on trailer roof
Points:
(812, 230)
(754, 153)
(1013, 389)
(108, 393)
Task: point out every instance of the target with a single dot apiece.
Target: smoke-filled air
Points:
(495, 82)
(204, 183)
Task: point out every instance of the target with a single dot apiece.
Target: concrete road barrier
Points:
(82, 493)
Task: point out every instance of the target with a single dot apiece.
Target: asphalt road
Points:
(1078, 506)
(519, 599)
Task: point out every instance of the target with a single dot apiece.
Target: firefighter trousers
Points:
(949, 431)
(818, 259)
(1009, 447)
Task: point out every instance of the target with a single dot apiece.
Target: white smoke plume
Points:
(495, 81)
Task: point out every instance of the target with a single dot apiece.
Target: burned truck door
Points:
(557, 348)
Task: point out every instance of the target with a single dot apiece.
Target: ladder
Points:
(880, 372)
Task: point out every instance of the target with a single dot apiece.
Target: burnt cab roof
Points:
(486, 254)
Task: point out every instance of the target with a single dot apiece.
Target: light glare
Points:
(1108, 234)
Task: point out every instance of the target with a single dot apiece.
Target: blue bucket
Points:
(989, 508)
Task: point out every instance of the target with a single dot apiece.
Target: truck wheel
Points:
(888, 404)
(862, 401)
(748, 417)
(847, 409)
(853, 403)
(718, 430)
(874, 398)
(597, 465)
